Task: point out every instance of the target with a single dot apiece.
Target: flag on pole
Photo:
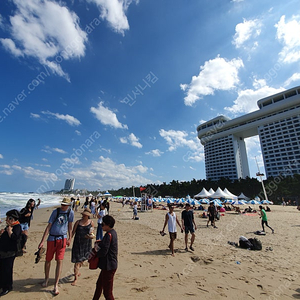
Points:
(142, 189)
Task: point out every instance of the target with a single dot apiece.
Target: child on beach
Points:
(134, 210)
(171, 219)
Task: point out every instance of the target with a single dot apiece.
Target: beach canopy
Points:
(232, 196)
(219, 194)
(238, 202)
(211, 191)
(216, 202)
(204, 201)
(107, 194)
(203, 194)
(242, 196)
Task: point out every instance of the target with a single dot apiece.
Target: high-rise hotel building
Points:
(69, 184)
(277, 123)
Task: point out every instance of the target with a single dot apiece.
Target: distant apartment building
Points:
(277, 123)
(69, 184)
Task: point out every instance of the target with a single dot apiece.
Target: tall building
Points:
(69, 184)
(277, 123)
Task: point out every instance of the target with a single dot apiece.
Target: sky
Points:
(110, 92)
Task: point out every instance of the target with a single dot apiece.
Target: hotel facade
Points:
(277, 123)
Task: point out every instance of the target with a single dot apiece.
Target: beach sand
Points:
(215, 270)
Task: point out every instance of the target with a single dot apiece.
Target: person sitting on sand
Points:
(171, 219)
(83, 231)
(59, 226)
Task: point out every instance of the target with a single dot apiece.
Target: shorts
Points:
(173, 235)
(58, 247)
(189, 229)
(135, 212)
(211, 218)
(24, 226)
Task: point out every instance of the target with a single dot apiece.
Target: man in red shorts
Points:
(58, 228)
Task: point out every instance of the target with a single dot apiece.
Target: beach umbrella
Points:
(170, 201)
(204, 201)
(253, 202)
(266, 202)
(192, 202)
(238, 202)
(228, 201)
(216, 202)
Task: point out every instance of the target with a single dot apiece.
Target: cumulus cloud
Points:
(67, 118)
(45, 30)
(293, 78)
(34, 116)
(114, 12)
(288, 35)
(245, 31)
(216, 74)
(1, 156)
(107, 117)
(246, 101)
(105, 173)
(132, 140)
(155, 152)
(180, 139)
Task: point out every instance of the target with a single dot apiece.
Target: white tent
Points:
(203, 194)
(232, 196)
(219, 194)
(211, 191)
(242, 196)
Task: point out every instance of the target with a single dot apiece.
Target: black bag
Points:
(256, 244)
(20, 244)
(245, 244)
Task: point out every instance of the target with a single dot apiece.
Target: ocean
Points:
(10, 201)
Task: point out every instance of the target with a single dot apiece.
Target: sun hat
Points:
(66, 201)
(87, 212)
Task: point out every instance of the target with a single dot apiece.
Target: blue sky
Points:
(110, 92)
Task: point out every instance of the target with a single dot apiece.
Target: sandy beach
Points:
(215, 270)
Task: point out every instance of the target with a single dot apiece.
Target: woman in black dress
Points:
(8, 247)
(82, 246)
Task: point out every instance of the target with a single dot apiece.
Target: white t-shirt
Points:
(101, 213)
(172, 223)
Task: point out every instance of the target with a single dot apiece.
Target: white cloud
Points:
(288, 35)
(77, 132)
(177, 139)
(106, 173)
(69, 119)
(1, 156)
(45, 30)
(132, 140)
(50, 150)
(216, 74)
(294, 77)
(245, 31)
(155, 152)
(34, 116)
(107, 117)
(114, 12)
(246, 101)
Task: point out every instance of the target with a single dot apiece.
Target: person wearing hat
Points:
(83, 231)
(8, 247)
(59, 233)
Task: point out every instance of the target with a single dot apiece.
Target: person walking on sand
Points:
(59, 226)
(83, 231)
(212, 213)
(188, 225)
(264, 219)
(108, 260)
(171, 219)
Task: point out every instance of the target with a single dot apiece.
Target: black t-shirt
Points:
(187, 216)
(211, 210)
(24, 211)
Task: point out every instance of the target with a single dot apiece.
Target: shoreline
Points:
(148, 271)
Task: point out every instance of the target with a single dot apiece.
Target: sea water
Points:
(17, 201)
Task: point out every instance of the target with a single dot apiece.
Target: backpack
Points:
(20, 244)
(57, 214)
(245, 243)
(256, 244)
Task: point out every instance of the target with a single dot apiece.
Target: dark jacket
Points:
(24, 211)
(9, 244)
(108, 252)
